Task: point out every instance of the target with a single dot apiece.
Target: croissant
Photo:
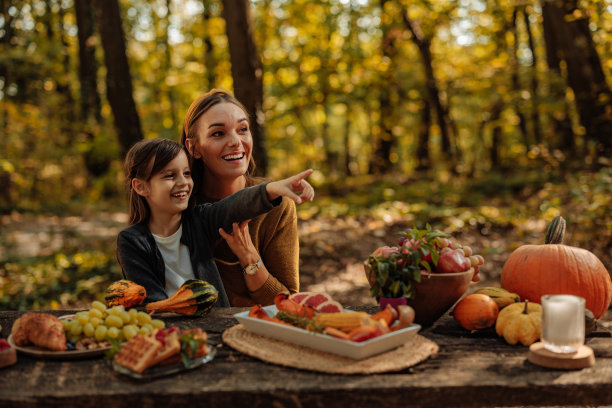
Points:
(41, 329)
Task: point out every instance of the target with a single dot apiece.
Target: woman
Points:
(259, 259)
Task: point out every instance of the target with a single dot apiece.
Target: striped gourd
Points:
(194, 298)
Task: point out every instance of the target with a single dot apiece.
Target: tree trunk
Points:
(423, 157)
(562, 123)
(168, 64)
(5, 40)
(514, 79)
(535, 100)
(327, 67)
(423, 43)
(88, 66)
(346, 142)
(380, 162)
(54, 26)
(496, 135)
(118, 79)
(210, 62)
(63, 83)
(247, 72)
(573, 43)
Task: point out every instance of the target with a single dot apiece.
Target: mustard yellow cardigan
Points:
(275, 236)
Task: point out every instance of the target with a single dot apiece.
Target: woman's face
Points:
(223, 141)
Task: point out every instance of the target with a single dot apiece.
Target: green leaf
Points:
(395, 289)
(383, 273)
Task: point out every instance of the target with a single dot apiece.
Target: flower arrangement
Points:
(394, 271)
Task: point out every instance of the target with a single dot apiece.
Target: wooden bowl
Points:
(436, 294)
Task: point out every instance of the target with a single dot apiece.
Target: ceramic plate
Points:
(39, 352)
(160, 371)
(324, 342)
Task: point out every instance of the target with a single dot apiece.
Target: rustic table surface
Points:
(469, 370)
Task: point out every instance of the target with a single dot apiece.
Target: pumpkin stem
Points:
(526, 310)
(555, 231)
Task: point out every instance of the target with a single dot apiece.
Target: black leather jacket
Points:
(142, 262)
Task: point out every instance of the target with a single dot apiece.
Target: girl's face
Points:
(223, 141)
(167, 192)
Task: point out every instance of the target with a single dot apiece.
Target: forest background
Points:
(482, 118)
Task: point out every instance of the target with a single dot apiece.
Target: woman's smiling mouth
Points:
(233, 156)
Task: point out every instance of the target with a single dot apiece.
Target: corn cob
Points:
(345, 321)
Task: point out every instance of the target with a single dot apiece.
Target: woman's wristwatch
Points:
(251, 269)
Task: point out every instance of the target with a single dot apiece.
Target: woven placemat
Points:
(415, 350)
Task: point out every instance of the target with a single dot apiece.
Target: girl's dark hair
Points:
(145, 159)
(200, 106)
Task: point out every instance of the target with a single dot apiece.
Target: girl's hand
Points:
(239, 241)
(294, 187)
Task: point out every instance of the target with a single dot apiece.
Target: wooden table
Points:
(469, 370)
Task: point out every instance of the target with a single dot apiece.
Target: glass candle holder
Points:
(562, 323)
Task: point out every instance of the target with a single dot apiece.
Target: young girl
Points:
(168, 241)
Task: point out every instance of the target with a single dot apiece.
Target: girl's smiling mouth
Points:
(181, 194)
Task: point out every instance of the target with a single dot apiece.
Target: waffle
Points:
(170, 347)
(138, 353)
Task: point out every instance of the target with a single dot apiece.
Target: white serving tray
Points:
(323, 342)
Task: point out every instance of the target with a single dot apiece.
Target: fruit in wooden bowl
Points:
(427, 269)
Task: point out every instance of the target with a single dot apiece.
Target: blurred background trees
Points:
(350, 87)
(496, 94)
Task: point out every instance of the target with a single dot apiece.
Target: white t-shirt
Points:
(176, 259)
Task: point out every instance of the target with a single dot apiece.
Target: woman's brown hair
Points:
(145, 159)
(190, 127)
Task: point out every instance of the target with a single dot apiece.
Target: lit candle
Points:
(562, 323)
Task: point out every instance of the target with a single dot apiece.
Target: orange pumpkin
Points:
(476, 311)
(535, 270)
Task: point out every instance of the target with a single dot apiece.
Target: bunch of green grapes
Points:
(102, 323)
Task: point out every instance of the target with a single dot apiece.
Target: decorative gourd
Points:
(194, 298)
(535, 270)
(520, 322)
(126, 293)
(590, 323)
(476, 311)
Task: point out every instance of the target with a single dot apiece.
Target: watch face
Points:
(250, 269)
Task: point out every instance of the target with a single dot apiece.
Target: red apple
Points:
(452, 262)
